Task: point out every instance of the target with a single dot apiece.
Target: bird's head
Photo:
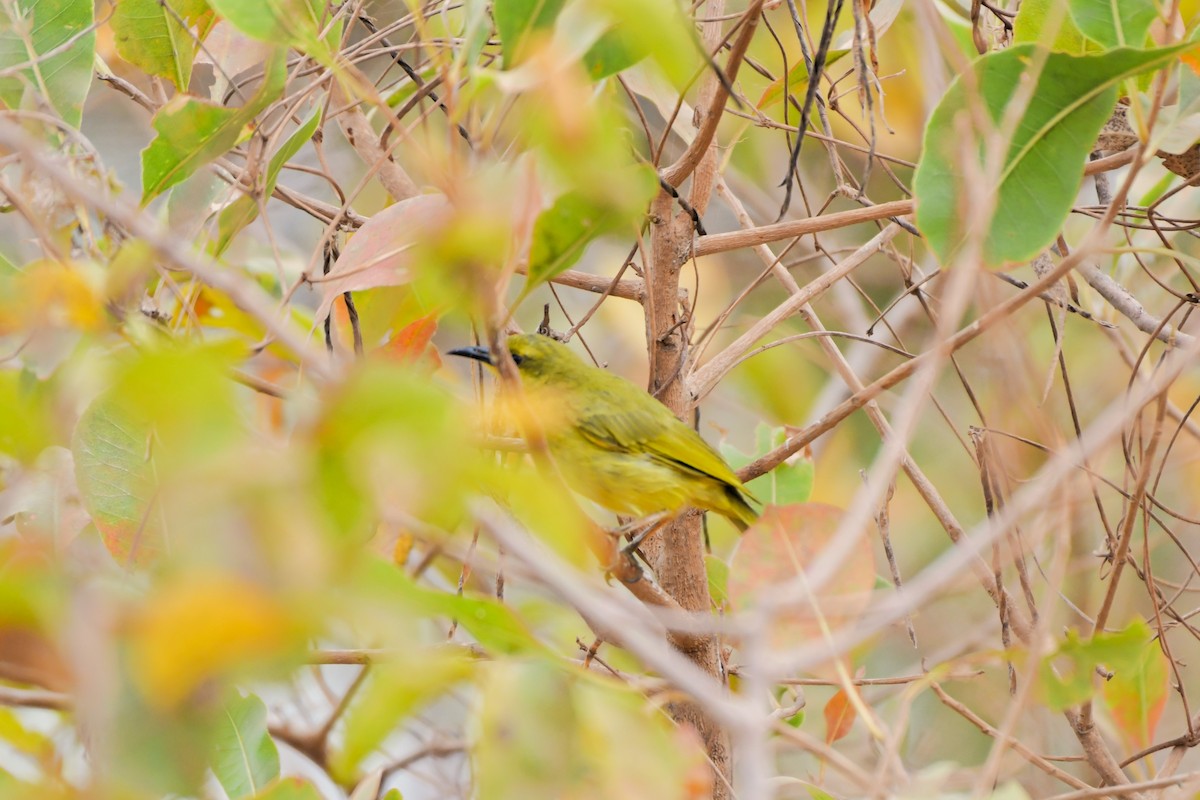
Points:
(539, 359)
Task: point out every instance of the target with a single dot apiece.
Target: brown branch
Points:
(1125, 303)
(681, 169)
(705, 175)
(735, 240)
(627, 288)
(35, 698)
(362, 137)
(1127, 789)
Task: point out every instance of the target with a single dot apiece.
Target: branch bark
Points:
(711, 117)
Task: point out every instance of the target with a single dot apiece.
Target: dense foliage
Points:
(926, 268)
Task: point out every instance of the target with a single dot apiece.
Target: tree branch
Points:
(681, 169)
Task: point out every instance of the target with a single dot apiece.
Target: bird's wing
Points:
(658, 435)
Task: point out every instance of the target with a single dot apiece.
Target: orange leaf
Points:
(1192, 60)
(839, 716)
(411, 343)
(413, 338)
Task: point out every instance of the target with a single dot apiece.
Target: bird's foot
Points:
(644, 527)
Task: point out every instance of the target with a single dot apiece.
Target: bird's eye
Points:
(517, 359)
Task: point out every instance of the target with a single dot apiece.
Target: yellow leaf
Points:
(52, 294)
(202, 627)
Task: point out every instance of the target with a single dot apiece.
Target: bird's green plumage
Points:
(618, 445)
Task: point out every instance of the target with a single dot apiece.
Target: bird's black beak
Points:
(476, 352)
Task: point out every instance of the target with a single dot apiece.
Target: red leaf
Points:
(839, 716)
(411, 344)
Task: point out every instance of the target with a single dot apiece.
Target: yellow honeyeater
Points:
(616, 444)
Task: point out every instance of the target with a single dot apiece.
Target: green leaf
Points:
(474, 36)
(561, 234)
(29, 31)
(150, 35)
(1114, 23)
(1077, 658)
(790, 482)
(612, 53)
(1072, 98)
(397, 689)
(115, 471)
(296, 23)
(493, 624)
(1137, 692)
(659, 29)
(164, 408)
(1048, 23)
(244, 210)
(193, 132)
(796, 81)
(518, 20)
(244, 756)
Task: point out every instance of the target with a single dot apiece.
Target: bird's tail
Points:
(739, 512)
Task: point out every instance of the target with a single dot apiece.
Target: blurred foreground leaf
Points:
(517, 21)
(547, 732)
(1137, 692)
(165, 409)
(772, 556)
(290, 789)
(116, 475)
(396, 689)
(207, 626)
(297, 23)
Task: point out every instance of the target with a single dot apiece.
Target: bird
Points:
(614, 443)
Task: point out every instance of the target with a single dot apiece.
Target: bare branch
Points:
(681, 169)
(736, 240)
